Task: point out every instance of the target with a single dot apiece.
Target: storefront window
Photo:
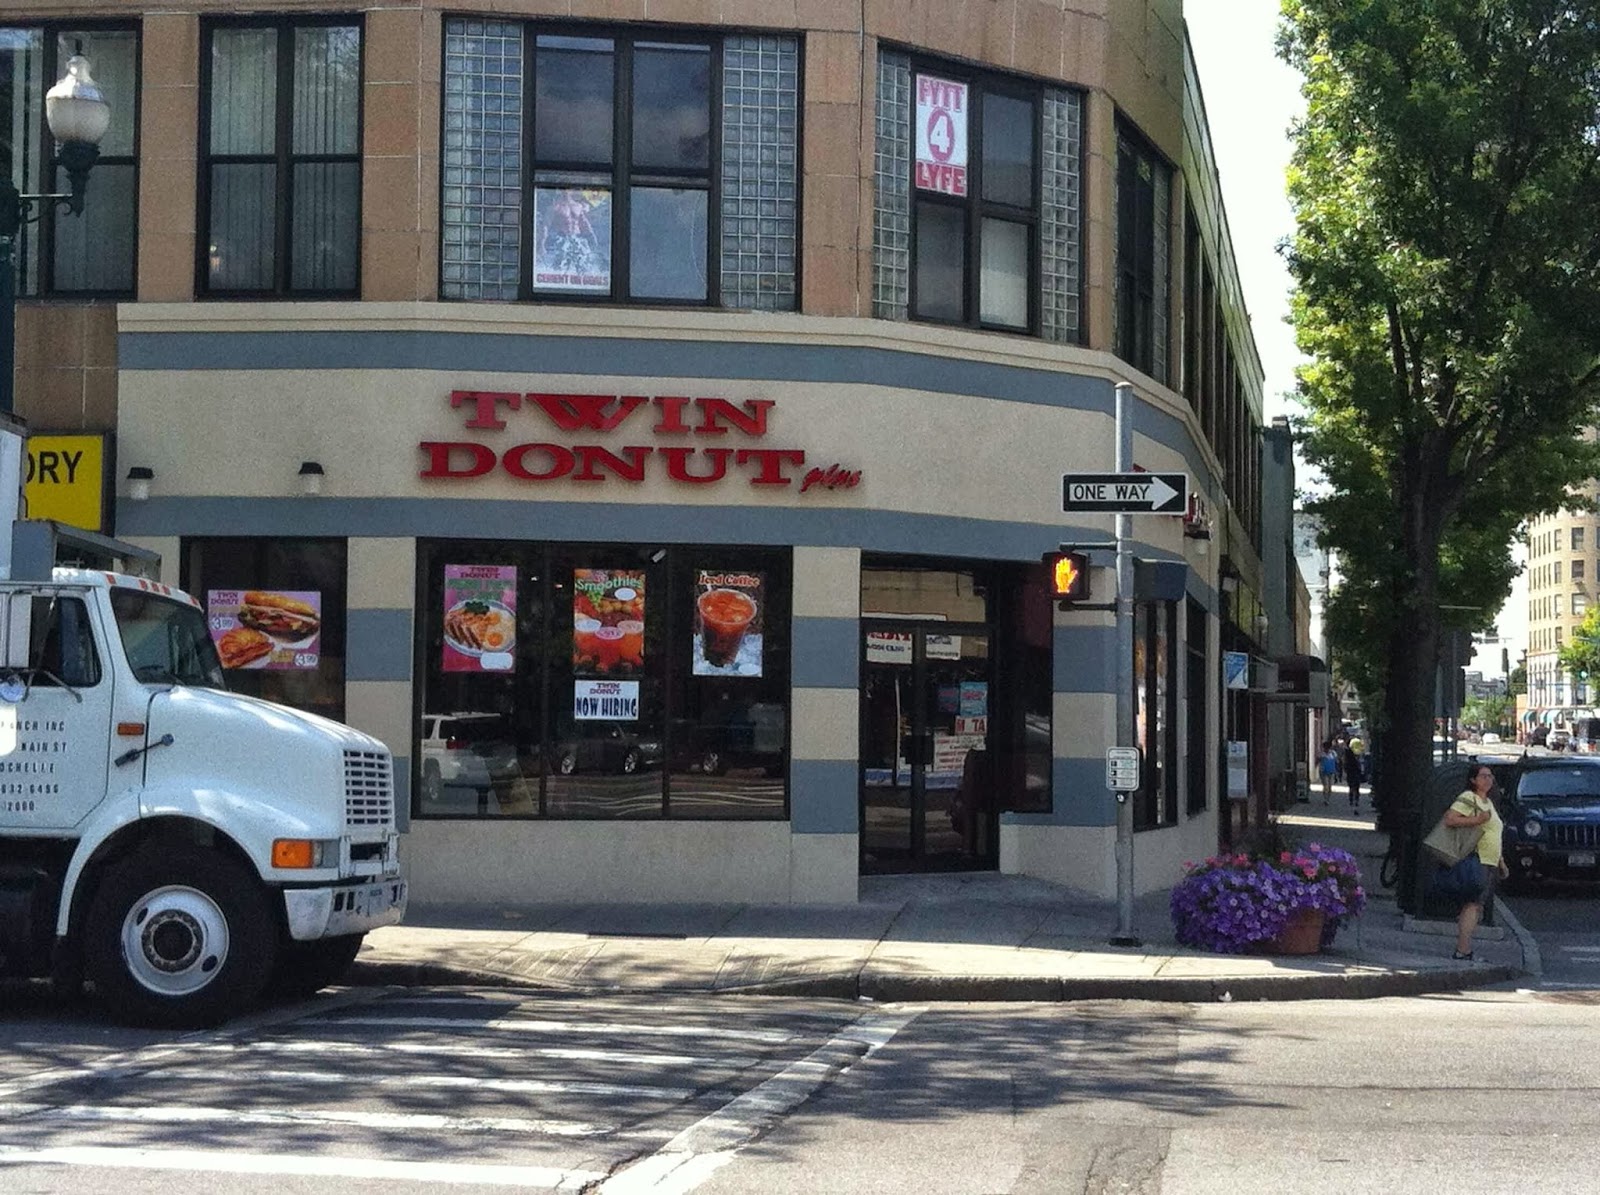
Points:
(600, 681)
(276, 612)
(1155, 714)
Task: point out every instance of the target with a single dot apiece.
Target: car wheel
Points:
(179, 937)
(432, 783)
(307, 967)
(568, 763)
(630, 762)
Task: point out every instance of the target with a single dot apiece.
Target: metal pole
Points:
(1124, 673)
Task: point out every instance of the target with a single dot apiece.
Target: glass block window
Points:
(760, 186)
(481, 213)
(612, 165)
(891, 215)
(1061, 275)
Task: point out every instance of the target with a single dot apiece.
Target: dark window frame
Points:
(283, 158)
(975, 208)
(431, 552)
(52, 69)
(624, 41)
(1198, 744)
(1157, 808)
(1138, 290)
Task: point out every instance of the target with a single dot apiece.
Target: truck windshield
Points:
(166, 640)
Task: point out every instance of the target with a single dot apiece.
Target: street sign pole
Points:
(1124, 528)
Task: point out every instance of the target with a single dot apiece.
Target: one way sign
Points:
(1125, 493)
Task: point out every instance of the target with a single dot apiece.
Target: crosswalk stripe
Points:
(772, 1037)
(324, 1166)
(183, 1114)
(453, 1050)
(476, 1082)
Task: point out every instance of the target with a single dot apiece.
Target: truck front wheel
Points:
(179, 937)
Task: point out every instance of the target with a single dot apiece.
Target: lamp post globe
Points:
(75, 108)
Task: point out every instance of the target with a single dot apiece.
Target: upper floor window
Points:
(1577, 570)
(1144, 199)
(1577, 539)
(600, 165)
(977, 213)
(92, 253)
(280, 148)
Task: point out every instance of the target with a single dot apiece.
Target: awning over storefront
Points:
(1302, 678)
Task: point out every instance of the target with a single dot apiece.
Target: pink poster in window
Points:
(480, 617)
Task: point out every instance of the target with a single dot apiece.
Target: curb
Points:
(1532, 960)
(892, 988)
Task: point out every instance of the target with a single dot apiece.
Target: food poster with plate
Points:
(480, 617)
(269, 630)
(607, 622)
(727, 624)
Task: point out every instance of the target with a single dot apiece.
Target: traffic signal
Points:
(1069, 576)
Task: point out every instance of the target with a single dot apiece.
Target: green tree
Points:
(1446, 187)
(1580, 658)
(1517, 682)
(1489, 713)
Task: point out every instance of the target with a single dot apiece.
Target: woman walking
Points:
(1474, 808)
(1326, 767)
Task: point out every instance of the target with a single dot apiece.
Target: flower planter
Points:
(1303, 934)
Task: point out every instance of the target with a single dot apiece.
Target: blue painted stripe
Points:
(1085, 659)
(1079, 796)
(824, 796)
(378, 645)
(533, 353)
(870, 530)
(827, 653)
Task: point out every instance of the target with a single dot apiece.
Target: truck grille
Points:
(1587, 836)
(368, 788)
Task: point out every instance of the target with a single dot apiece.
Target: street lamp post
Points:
(78, 116)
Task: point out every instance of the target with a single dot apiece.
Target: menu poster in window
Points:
(480, 617)
(727, 624)
(571, 239)
(269, 630)
(607, 622)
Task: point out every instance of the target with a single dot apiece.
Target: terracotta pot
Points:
(1303, 934)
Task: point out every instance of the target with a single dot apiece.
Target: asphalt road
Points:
(385, 1091)
(1564, 919)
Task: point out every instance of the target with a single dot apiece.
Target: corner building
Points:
(662, 408)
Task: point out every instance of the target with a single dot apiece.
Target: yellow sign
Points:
(66, 480)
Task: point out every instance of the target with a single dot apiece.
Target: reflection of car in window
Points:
(1552, 819)
(465, 751)
(603, 747)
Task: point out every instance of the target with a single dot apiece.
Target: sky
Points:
(1251, 98)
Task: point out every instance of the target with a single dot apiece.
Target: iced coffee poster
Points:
(607, 621)
(727, 623)
(480, 617)
(270, 630)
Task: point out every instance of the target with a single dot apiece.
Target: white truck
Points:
(178, 846)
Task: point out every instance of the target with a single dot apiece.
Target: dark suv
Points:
(1551, 809)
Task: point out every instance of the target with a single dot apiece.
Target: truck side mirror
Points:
(16, 624)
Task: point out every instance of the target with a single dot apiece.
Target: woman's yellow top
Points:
(1469, 804)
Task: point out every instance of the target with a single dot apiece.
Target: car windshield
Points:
(1546, 783)
(166, 640)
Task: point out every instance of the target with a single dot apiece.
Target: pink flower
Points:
(1283, 858)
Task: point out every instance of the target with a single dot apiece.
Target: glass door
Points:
(927, 793)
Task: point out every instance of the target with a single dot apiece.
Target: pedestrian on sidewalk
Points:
(1474, 808)
(1326, 767)
(1352, 773)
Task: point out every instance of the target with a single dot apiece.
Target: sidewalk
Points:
(975, 936)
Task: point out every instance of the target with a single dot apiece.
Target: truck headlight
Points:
(1533, 827)
(302, 853)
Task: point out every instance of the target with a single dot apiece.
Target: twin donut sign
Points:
(941, 135)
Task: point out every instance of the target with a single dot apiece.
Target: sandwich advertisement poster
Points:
(275, 630)
(480, 617)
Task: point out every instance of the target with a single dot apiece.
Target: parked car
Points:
(1551, 810)
(1489, 737)
(464, 750)
(603, 747)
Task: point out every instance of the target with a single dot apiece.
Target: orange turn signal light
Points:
(130, 728)
(291, 852)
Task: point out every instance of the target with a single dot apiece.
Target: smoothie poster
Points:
(607, 621)
(480, 617)
(727, 623)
